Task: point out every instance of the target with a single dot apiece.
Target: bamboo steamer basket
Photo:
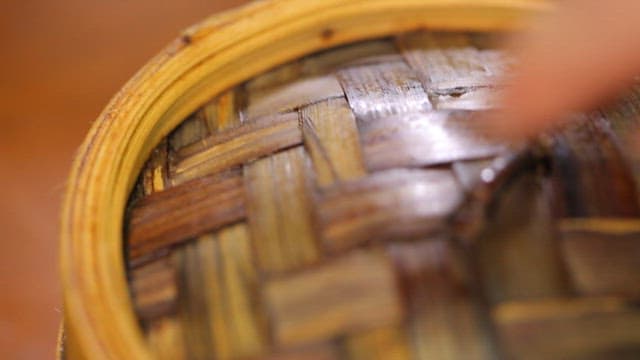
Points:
(303, 180)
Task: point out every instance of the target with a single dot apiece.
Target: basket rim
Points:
(230, 47)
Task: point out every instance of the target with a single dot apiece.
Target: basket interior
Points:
(348, 205)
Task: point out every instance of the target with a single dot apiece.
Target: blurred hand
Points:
(572, 60)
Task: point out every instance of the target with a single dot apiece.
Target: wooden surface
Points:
(60, 63)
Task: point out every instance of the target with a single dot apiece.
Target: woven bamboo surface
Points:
(346, 205)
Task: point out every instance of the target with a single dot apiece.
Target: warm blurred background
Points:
(60, 63)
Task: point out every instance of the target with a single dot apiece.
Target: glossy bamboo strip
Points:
(292, 96)
(580, 166)
(518, 254)
(422, 199)
(220, 114)
(425, 139)
(154, 288)
(455, 72)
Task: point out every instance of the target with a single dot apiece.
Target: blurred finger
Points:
(570, 61)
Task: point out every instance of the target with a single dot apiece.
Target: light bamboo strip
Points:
(280, 212)
(331, 136)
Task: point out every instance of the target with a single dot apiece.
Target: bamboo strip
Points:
(421, 200)
(180, 213)
(592, 180)
(352, 293)
(391, 86)
(331, 136)
(425, 139)
(280, 212)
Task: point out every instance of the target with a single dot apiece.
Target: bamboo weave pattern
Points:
(344, 206)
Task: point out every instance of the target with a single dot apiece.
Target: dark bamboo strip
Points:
(229, 148)
(180, 213)
(358, 211)
(590, 328)
(473, 217)
(603, 255)
(591, 176)
(446, 320)
(155, 174)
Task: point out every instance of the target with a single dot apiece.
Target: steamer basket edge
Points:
(229, 48)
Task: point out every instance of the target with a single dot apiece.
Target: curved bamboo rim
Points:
(219, 53)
